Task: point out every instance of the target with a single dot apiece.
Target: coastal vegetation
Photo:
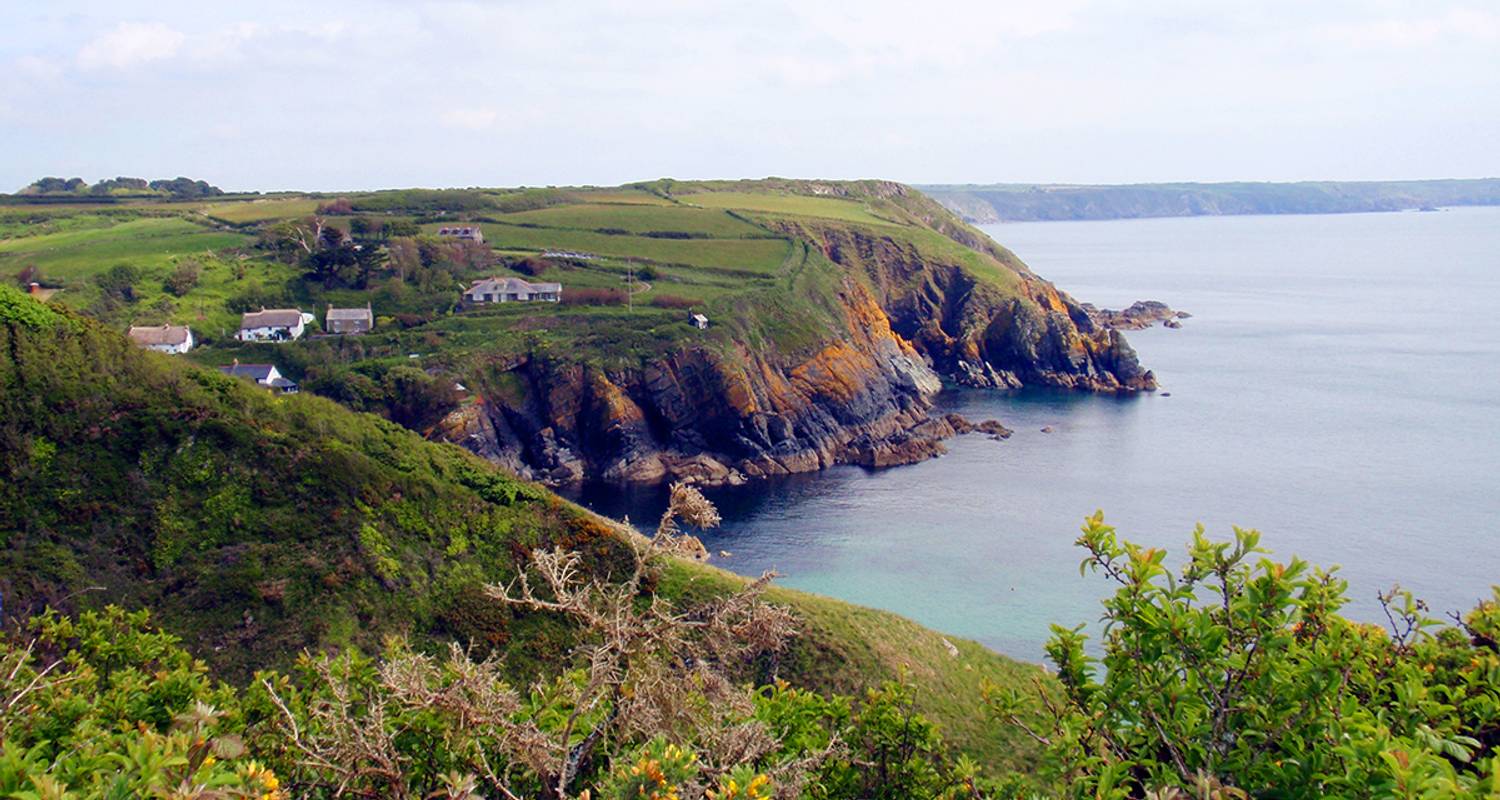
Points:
(211, 591)
(831, 312)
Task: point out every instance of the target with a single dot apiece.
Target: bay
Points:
(1338, 388)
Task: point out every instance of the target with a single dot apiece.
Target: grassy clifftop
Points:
(257, 525)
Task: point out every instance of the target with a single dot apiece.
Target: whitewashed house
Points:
(698, 321)
(263, 375)
(174, 339)
(272, 325)
(512, 290)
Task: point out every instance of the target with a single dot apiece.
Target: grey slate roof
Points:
(352, 314)
(255, 372)
(508, 285)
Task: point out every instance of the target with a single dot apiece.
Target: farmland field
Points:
(261, 210)
(747, 255)
(640, 219)
(149, 242)
(795, 204)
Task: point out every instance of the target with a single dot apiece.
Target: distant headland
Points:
(1027, 202)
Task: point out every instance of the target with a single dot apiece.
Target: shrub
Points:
(594, 297)
(255, 298)
(1237, 675)
(119, 282)
(183, 279)
(338, 206)
(673, 301)
(533, 266)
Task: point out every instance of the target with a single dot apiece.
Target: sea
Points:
(1337, 388)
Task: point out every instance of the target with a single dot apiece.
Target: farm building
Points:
(263, 375)
(699, 321)
(272, 325)
(512, 290)
(349, 320)
(468, 233)
(172, 339)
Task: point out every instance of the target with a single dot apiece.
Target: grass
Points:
(640, 219)
(844, 647)
(625, 196)
(148, 242)
(747, 255)
(782, 203)
(243, 213)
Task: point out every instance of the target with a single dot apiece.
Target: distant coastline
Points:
(1023, 202)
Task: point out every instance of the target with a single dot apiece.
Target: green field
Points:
(640, 219)
(150, 242)
(744, 255)
(240, 213)
(786, 203)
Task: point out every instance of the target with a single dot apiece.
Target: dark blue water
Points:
(1338, 388)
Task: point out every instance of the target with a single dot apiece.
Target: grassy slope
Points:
(739, 264)
(256, 525)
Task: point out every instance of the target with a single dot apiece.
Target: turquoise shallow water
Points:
(1337, 388)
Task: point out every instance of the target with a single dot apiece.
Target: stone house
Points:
(349, 320)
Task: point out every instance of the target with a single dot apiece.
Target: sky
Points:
(341, 95)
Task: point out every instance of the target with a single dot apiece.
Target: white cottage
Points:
(512, 290)
(174, 339)
(272, 325)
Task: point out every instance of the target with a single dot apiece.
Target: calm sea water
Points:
(1338, 388)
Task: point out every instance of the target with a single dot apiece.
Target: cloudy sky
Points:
(345, 95)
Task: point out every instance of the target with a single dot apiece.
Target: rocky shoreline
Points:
(715, 415)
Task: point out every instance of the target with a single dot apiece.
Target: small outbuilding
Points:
(349, 320)
(174, 339)
(272, 325)
(699, 321)
(263, 375)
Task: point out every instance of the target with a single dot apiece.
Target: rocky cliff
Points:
(911, 303)
(711, 416)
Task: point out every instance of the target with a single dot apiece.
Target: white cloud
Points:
(1457, 24)
(130, 44)
(472, 119)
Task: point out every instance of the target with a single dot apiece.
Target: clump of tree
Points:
(176, 188)
(1236, 676)
(328, 255)
(404, 394)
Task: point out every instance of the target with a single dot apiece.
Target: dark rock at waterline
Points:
(1141, 314)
